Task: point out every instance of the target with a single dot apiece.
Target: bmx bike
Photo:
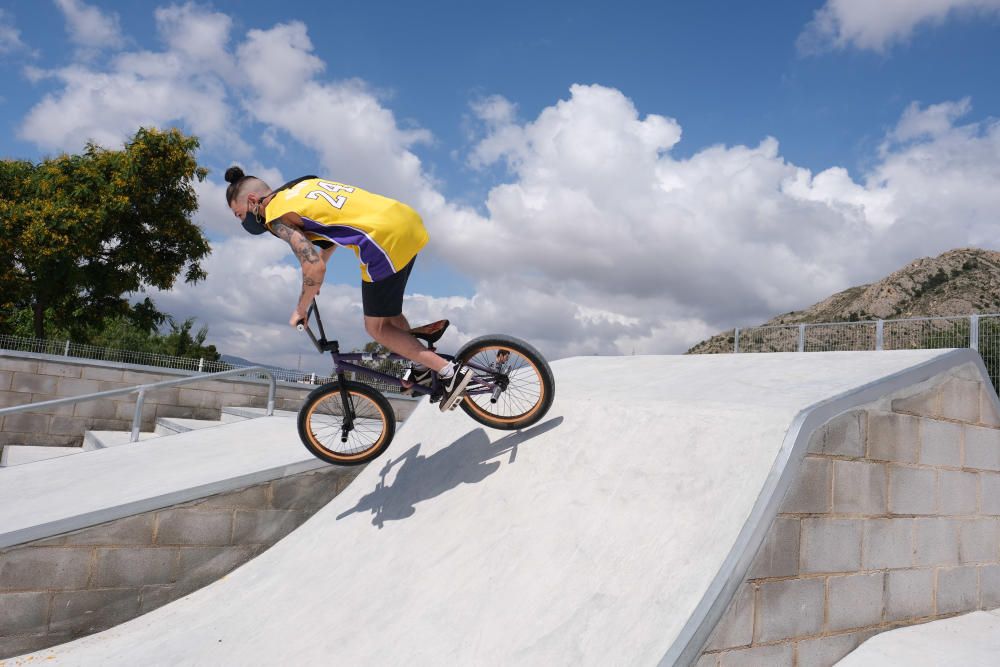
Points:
(347, 422)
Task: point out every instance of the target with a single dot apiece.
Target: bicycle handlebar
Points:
(303, 325)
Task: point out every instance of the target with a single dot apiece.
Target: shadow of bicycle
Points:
(468, 460)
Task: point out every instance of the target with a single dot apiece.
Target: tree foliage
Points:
(141, 329)
(124, 332)
(179, 342)
(79, 232)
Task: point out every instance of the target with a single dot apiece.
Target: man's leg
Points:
(394, 333)
(384, 321)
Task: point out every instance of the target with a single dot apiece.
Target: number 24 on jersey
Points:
(336, 202)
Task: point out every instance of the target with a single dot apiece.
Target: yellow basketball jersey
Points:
(383, 233)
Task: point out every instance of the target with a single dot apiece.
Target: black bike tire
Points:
(546, 380)
(357, 388)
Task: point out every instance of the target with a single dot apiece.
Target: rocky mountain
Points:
(959, 282)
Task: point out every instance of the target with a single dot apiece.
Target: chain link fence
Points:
(980, 332)
(66, 348)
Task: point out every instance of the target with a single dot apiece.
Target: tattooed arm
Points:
(313, 265)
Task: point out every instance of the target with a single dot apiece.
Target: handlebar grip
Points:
(301, 326)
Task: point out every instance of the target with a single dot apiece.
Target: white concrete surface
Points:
(58, 495)
(17, 455)
(103, 439)
(970, 640)
(171, 425)
(241, 413)
(609, 533)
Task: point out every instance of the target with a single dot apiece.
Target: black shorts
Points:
(385, 297)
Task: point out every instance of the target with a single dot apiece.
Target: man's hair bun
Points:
(234, 174)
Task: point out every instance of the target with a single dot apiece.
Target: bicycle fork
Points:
(347, 425)
(499, 368)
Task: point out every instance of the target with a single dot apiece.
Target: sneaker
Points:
(454, 386)
(420, 375)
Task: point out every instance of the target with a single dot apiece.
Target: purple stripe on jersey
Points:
(375, 259)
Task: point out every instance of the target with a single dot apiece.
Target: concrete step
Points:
(15, 455)
(239, 414)
(166, 426)
(93, 440)
(171, 425)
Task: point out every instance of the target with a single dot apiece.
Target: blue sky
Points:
(649, 151)
(730, 72)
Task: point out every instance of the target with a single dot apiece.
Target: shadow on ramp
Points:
(465, 461)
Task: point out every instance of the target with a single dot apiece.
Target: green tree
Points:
(122, 333)
(79, 232)
(21, 322)
(180, 343)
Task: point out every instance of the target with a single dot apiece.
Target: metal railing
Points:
(66, 348)
(979, 332)
(143, 388)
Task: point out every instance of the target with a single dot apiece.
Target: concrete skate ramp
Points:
(969, 640)
(613, 532)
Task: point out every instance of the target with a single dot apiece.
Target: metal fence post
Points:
(272, 389)
(137, 417)
(736, 341)
(974, 332)
(66, 351)
(201, 364)
(802, 338)
(880, 335)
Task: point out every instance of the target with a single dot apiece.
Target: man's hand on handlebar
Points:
(298, 319)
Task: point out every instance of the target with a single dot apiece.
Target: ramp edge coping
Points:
(103, 515)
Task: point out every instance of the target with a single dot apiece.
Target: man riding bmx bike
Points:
(385, 236)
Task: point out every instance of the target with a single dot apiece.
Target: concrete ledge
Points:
(77, 583)
(972, 639)
(22, 454)
(59, 495)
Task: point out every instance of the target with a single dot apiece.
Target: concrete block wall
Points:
(893, 519)
(63, 587)
(29, 378)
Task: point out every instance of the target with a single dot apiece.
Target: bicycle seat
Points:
(430, 332)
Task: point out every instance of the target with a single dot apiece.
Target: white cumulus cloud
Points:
(878, 24)
(354, 135)
(599, 214)
(88, 26)
(184, 84)
(596, 238)
(10, 36)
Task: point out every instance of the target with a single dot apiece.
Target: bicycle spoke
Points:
(328, 421)
(523, 383)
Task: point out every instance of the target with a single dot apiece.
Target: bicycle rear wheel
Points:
(348, 433)
(513, 385)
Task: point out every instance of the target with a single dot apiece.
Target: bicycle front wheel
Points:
(347, 424)
(513, 385)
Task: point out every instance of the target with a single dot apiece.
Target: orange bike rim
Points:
(338, 455)
(516, 418)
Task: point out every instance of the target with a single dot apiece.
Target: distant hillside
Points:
(959, 282)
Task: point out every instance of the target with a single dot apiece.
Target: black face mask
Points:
(254, 223)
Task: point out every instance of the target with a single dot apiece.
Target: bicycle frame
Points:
(343, 362)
